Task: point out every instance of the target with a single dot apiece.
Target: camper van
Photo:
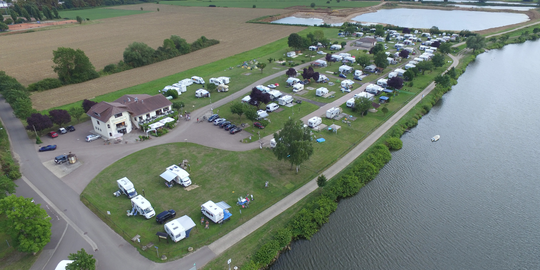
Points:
(222, 88)
(321, 91)
(284, 100)
(272, 107)
(125, 187)
(298, 87)
(197, 80)
(181, 87)
(141, 206)
(346, 85)
(202, 93)
(169, 87)
(292, 81)
(373, 89)
(345, 69)
(313, 122)
(382, 82)
(174, 174)
(333, 112)
(263, 88)
(275, 94)
(179, 228)
(322, 79)
(220, 80)
(217, 212)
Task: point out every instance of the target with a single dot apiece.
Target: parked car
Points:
(47, 148)
(219, 120)
(70, 128)
(358, 78)
(223, 124)
(342, 75)
(321, 52)
(273, 86)
(213, 117)
(62, 130)
(235, 130)
(92, 137)
(165, 215)
(53, 134)
(61, 159)
(259, 125)
(230, 126)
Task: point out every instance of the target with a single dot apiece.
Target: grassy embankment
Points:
(273, 4)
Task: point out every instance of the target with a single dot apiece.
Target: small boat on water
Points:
(435, 138)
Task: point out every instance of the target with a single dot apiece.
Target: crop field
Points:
(104, 42)
(100, 13)
(273, 3)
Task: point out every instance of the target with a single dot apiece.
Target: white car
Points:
(92, 137)
(321, 52)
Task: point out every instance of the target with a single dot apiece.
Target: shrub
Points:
(302, 225)
(19, 20)
(8, 21)
(211, 5)
(177, 105)
(266, 253)
(254, 6)
(394, 143)
(14, 173)
(45, 84)
(264, 122)
(111, 68)
(283, 237)
(312, 5)
(173, 93)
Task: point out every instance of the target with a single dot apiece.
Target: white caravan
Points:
(202, 93)
(197, 80)
(141, 206)
(174, 174)
(333, 112)
(321, 91)
(314, 121)
(298, 87)
(284, 100)
(179, 228)
(217, 212)
(125, 187)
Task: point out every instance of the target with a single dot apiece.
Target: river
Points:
(469, 201)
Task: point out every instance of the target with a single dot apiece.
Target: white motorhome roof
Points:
(212, 207)
(140, 201)
(178, 171)
(63, 264)
(246, 99)
(292, 80)
(124, 181)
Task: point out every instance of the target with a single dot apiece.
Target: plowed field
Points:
(28, 57)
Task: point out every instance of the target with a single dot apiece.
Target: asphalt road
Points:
(75, 226)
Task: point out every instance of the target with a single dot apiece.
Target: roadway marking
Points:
(69, 221)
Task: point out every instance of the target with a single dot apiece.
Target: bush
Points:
(111, 68)
(45, 84)
(312, 5)
(173, 93)
(211, 5)
(14, 173)
(8, 21)
(19, 20)
(266, 253)
(394, 143)
(264, 122)
(177, 105)
(254, 6)
(283, 237)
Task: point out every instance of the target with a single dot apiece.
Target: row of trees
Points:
(29, 10)
(39, 122)
(298, 42)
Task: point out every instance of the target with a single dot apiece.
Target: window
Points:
(108, 126)
(97, 114)
(118, 115)
(97, 121)
(110, 134)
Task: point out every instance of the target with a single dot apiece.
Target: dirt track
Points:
(29, 57)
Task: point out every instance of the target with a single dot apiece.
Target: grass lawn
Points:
(98, 13)
(278, 4)
(10, 258)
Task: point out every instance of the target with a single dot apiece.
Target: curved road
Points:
(75, 226)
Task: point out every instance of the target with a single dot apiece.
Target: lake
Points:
(303, 21)
(444, 19)
(468, 201)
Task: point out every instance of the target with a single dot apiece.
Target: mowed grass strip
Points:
(99, 13)
(273, 3)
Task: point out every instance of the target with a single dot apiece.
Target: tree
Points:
(316, 76)
(60, 117)
(425, 65)
(238, 108)
(380, 60)
(476, 42)
(329, 58)
(73, 66)
(438, 60)
(379, 30)
(295, 41)
(181, 44)
(174, 94)
(312, 5)
(81, 261)
(362, 105)
(39, 122)
(261, 66)
(409, 75)
(13, 15)
(404, 54)
(3, 27)
(293, 143)
(22, 107)
(270, 60)
(384, 110)
(76, 112)
(138, 54)
(443, 80)
(177, 105)
(210, 87)
(87, 104)
(406, 30)
(505, 37)
(47, 12)
(387, 37)
(318, 35)
(258, 97)
(7, 186)
(26, 223)
(308, 73)
(291, 72)
(376, 49)
(26, 15)
(251, 113)
(321, 181)
(445, 48)
(363, 60)
(452, 73)
(395, 82)
(343, 44)
(79, 19)
(436, 44)
(434, 30)
(55, 12)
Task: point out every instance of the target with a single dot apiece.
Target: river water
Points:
(469, 201)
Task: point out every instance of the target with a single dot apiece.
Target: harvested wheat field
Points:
(29, 57)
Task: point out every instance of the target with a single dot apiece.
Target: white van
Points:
(284, 100)
(179, 228)
(314, 122)
(272, 107)
(197, 79)
(125, 187)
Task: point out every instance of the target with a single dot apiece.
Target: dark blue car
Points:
(47, 148)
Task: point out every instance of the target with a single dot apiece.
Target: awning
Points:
(156, 125)
(223, 205)
(186, 222)
(168, 176)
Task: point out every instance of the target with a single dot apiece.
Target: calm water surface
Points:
(443, 19)
(469, 201)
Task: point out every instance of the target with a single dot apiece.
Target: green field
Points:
(278, 4)
(98, 13)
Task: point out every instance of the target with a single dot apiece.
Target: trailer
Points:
(284, 100)
(314, 122)
(333, 112)
(179, 228)
(141, 206)
(217, 212)
(174, 174)
(321, 91)
(125, 187)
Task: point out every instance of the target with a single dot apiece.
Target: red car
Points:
(259, 125)
(53, 134)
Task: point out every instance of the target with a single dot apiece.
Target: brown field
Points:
(28, 56)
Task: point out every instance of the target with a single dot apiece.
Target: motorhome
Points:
(175, 174)
(272, 107)
(321, 91)
(400, 71)
(382, 82)
(220, 80)
(125, 187)
(169, 87)
(374, 89)
(222, 88)
(314, 122)
(371, 68)
(284, 100)
(141, 206)
(346, 85)
(350, 60)
(263, 88)
(345, 69)
(320, 63)
(275, 94)
(181, 87)
(335, 47)
(197, 80)
(336, 58)
(407, 66)
(344, 55)
(179, 228)
(322, 79)
(202, 93)
(216, 212)
(333, 112)
(298, 87)
(292, 81)
(358, 73)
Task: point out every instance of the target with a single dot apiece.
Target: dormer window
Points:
(118, 115)
(97, 114)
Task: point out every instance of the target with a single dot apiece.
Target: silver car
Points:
(92, 137)
(217, 121)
